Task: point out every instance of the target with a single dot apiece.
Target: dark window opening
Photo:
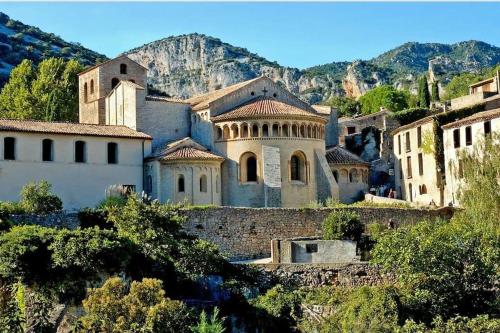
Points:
(85, 92)
(311, 248)
(80, 152)
(420, 164)
(252, 93)
(351, 130)
(419, 136)
(9, 148)
(275, 95)
(47, 150)
(408, 167)
(487, 127)
(123, 69)
(112, 153)
(295, 168)
(408, 143)
(400, 169)
(114, 82)
(251, 169)
(91, 86)
(203, 183)
(456, 138)
(180, 184)
(399, 144)
(468, 136)
(336, 175)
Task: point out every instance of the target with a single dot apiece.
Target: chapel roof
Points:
(183, 149)
(339, 155)
(477, 117)
(108, 61)
(201, 102)
(266, 107)
(66, 128)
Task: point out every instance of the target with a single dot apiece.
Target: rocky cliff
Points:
(187, 65)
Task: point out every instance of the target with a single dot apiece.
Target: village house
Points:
(252, 144)
(484, 92)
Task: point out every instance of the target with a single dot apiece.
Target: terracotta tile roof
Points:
(339, 155)
(267, 107)
(202, 101)
(108, 61)
(183, 149)
(477, 117)
(34, 126)
(165, 99)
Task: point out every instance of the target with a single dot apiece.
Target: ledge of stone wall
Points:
(246, 233)
(54, 220)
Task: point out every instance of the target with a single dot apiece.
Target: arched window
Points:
(244, 131)
(285, 130)
(225, 132)
(47, 150)
(295, 131)
(114, 82)
(219, 133)
(180, 184)
(343, 176)
(255, 130)
(276, 130)
(353, 176)
(309, 131)
(91, 86)
(85, 92)
(235, 132)
(123, 69)
(9, 148)
(336, 175)
(298, 167)
(112, 153)
(80, 153)
(265, 130)
(423, 189)
(203, 183)
(248, 167)
(302, 131)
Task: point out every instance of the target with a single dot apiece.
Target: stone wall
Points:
(245, 233)
(55, 220)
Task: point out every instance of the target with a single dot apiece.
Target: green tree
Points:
(346, 106)
(383, 96)
(459, 85)
(424, 98)
(48, 93)
(141, 308)
(212, 325)
(342, 224)
(435, 91)
(37, 198)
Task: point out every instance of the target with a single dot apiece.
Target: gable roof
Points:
(183, 149)
(266, 107)
(108, 61)
(201, 102)
(339, 155)
(125, 83)
(35, 126)
(477, 117)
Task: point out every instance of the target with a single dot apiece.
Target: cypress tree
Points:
(435, 92)
(424, 98)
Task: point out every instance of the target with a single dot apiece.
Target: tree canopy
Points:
(384, 96)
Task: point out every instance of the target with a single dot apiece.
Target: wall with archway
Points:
(353, 180)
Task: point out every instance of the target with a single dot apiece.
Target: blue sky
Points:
(293, 34)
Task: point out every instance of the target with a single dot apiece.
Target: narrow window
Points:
(336, 176)
(400, 169)
(456, 138)
(265, 130)
(399, 144)
(112, 153)
(408, 167)
(468, 136)
(420, 164)
(47, 150)
(351, 130)
(251, 169)
(410, 192)
(408, 144)
(255, 131)
(91, 87)
(275, 130)
(180, 183)
(9, 148)
(487, 127)
(114, 82)
(295, 168)
(419, 136)
(311, 248)
(80, 155)
(85, 93)
(203, 183)
(123, 69)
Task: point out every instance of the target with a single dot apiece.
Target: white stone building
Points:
(460, 136)
(251, 144)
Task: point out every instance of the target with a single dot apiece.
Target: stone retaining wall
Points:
(246, 233)
(54, 220)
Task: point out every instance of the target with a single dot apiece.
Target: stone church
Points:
(253, 144)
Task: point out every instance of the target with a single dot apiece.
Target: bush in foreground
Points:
(342, 224)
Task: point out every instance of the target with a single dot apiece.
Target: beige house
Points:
(350, 172)
(417, 173)
(80, 161)
(461, 136)
(484, 92)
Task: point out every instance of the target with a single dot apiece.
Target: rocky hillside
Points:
(19, 41)
(183, 66)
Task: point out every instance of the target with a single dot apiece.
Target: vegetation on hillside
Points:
(459, 85)
(47, 92)
(384, 96)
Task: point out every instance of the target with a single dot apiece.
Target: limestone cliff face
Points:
(188, 65)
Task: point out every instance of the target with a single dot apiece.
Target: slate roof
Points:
(339, 155)
(477, 117)
(34, 126)
(202, 101)
(266, 107)
(183, 149)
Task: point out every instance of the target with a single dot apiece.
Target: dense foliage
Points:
(37, 198)
(408, 116)
(459, 85)
(48, 92)
(384, 96)
(424, 97)
(345, 106)
(342, 224)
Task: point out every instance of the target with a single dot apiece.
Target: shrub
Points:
(143, 307)
(37, 198)
(198, 257)
(279, 303)
(212, 325)
(342, 224)
(114, 201)
(479, 324)
(408, 116)
(91, 217)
